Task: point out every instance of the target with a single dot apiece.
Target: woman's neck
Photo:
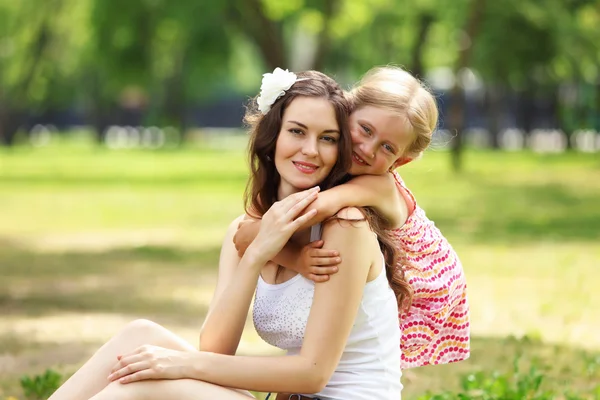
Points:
(285, 190)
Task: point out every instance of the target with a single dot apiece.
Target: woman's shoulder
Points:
(233, 226)
(350, 224)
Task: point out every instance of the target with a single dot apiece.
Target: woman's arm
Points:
(332, 316)
(224, 323)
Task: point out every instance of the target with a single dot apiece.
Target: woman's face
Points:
(378, 140)
(307, 144)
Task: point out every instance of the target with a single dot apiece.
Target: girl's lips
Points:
(356, 158)
(305, 168)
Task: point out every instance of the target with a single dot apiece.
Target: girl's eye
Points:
(388, 148)
(366, 129)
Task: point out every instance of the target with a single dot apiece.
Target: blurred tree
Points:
(381, 32)
(40, 44)
(149, 61)
(281, 31)
(468, 35)
(155, 56)
(520, 46)
(524, 57)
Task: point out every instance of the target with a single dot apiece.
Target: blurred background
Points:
(122, 162)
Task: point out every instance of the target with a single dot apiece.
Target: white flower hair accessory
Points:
(273, 87)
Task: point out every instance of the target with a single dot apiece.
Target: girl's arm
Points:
(377, 191)
(331, 318)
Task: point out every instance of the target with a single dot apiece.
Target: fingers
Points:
(325, 261)
(298, 222)
(126, 360)
(318, 278)
(293, 200)
(323, 270)
(318, 252)
(317, 244)
(128, 370)
(143, 375)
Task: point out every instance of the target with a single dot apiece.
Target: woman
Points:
(339, 347)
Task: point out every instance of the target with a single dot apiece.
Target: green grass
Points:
(91, 238)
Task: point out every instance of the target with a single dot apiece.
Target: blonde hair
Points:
(396, 90)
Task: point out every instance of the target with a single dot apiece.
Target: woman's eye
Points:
(366, 129)
(296, 131)
(330, 139)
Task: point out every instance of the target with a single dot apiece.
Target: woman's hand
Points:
(149, 362)
(281, 221)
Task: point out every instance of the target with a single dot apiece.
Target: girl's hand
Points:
(281, 221)
(149, 362)
(246, 232)
(316, 263)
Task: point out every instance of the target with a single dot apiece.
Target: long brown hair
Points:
(261, 189)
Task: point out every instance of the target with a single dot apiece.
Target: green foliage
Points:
(40, 387)
(519, 384)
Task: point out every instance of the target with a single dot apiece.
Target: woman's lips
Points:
(305, 168)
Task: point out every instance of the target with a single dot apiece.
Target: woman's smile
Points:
(305, 167)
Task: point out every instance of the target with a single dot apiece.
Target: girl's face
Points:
(307, 144)
(378, 140)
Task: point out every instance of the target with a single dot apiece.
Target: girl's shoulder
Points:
(404, 192)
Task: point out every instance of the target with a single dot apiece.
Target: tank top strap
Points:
(405, 192)
(315, 232)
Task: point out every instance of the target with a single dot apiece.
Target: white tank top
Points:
(370, 364)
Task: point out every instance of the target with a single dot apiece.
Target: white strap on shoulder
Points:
(315, 232)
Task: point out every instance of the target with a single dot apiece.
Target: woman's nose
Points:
(309, 148)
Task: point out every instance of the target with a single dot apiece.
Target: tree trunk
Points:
(250, 18)
(174, 106)
(457, 96)
(10, 122)
(324, 44)
(425, 23)
(494, 111)
(596, 109)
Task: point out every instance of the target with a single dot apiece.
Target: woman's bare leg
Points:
(92, 377)
(180, 389)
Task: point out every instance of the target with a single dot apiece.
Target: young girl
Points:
(392, 123)
(341, 335)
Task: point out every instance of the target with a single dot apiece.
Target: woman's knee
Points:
(182, 389)
(141, 327)
(148, 332)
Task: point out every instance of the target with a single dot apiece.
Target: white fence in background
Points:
(128, 137)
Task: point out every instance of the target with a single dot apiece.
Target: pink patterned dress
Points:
(435, 330)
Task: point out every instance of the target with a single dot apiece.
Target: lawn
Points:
(92, 238)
